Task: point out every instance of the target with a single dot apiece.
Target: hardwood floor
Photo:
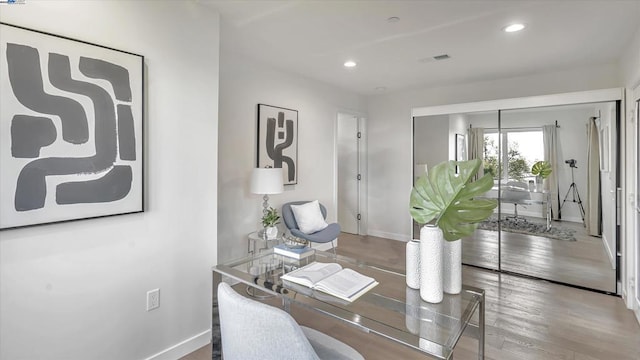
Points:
(525, 319)
(583, 262)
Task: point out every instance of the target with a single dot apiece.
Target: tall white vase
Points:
(452, 256)
(431, 265)
(413, 264)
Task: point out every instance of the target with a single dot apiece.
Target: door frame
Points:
(633, 221)
(362, 163)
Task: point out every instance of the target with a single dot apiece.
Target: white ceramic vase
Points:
(431, 265)
(271, 232)
(413, 264)
(452, 259)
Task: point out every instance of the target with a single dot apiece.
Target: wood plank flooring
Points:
(525, 319)
(583, 262)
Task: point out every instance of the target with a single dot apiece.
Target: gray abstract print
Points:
(113, 128)
(26, 82)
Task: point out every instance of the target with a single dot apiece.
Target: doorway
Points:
(350, 172)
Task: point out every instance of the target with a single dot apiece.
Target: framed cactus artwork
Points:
(278, 140)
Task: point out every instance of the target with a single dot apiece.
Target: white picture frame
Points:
(278, 141)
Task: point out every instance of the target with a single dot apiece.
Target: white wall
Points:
(77, 290)
(243, 84)
(431, 140)
(390, 133)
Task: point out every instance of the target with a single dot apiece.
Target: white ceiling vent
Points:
(434, 58)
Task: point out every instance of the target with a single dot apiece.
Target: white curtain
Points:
(550, 139)
(593, 210)
(476, 148)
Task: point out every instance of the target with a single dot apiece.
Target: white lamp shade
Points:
(267, 181)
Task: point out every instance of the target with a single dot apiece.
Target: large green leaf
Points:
(541, 168)
(449, 198)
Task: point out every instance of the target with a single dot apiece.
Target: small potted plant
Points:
(541, 170)
(269, 221)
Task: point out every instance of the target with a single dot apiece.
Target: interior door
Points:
(348, 173)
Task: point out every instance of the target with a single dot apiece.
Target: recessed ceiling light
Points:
(514, 27)
(393, 19)
(350, 64)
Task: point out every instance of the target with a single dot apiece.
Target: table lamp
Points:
(266, 181)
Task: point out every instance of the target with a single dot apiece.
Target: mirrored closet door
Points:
(555, 172)
(554, 227)
(461, 136)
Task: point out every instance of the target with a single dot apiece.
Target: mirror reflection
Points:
(554, 171)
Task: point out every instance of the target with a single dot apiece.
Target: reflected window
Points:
(509, 156)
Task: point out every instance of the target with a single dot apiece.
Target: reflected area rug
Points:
(529, 227)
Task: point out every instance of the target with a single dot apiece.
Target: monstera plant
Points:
(541, 170)
(448, 199)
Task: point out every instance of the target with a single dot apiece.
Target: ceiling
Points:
(315, 38)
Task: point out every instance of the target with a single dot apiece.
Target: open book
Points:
(332, 279)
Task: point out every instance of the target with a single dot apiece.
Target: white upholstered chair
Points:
(253, 330)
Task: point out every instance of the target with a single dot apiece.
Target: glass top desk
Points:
(541, 198)
(391, 309)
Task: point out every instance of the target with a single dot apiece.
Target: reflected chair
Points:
(253, 330)
(325, 235)
(517, 193)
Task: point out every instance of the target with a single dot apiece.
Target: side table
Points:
(254, 238)
(253, 250)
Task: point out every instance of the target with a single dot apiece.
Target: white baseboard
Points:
(387, 235)
(183, 348)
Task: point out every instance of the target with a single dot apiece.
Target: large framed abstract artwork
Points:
(71, 116)
(278, 140)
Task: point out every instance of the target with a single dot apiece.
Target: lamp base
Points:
(265, 204)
